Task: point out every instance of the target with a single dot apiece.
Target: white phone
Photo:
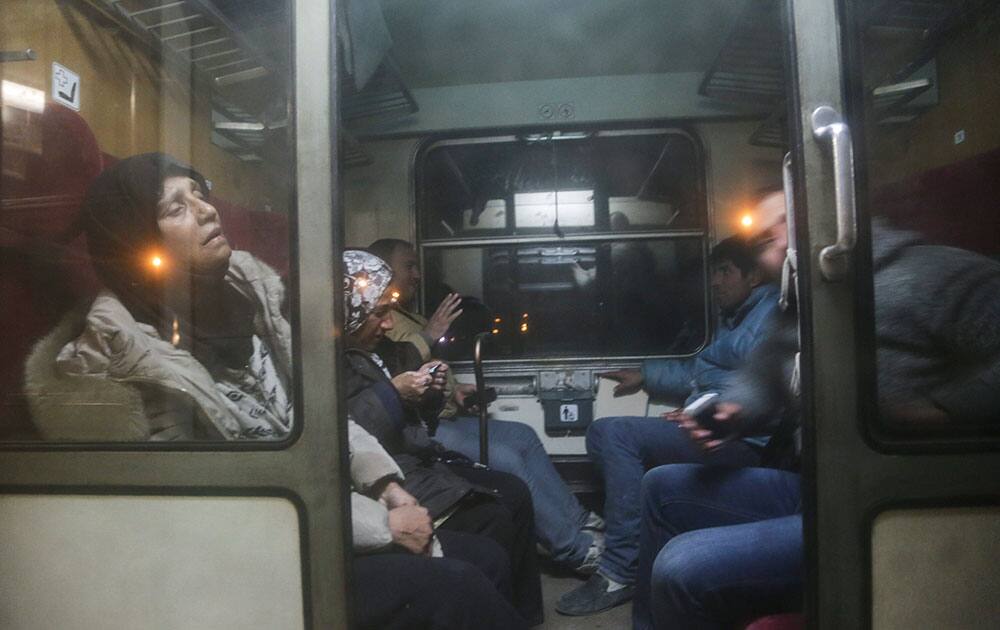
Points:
(700, 404)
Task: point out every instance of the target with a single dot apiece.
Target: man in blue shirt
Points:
(624, 448)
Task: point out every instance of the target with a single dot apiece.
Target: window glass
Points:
(931, 138)
(573, 299)
(144, 297)
(580, 182)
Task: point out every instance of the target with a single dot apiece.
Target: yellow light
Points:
(362, 283)
(496, 331)
(524, 327)
(746, 220)
(496, 320)
(524, 316)
(395, 295)
(156, 261)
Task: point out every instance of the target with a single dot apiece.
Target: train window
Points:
(931, 142)
(602, 230)
(147, 197)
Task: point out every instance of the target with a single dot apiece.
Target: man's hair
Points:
(736, 250)
(384, 248)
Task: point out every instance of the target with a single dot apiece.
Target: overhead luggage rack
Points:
(197, 32)
(750, 65)
(384, 97)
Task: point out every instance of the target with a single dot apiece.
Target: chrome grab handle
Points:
(828, 125)
(477, 364)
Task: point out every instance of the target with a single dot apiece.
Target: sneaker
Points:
(595, 595)
(594, 523)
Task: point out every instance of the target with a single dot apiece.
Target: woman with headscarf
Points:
(460, 496)
(187, 341)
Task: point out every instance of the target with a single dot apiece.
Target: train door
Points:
(900, 350)
(102, 524)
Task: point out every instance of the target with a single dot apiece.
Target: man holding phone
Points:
(624, 448)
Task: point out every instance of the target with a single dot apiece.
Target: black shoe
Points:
(593, 597)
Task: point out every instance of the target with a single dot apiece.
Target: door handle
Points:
(829, 127)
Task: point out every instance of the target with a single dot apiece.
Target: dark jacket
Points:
(375, 404)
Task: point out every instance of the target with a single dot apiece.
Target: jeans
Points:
(516, 449)
(623, 449)
(718, 547)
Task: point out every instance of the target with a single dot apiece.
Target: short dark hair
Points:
(384, 248)
(736, 250)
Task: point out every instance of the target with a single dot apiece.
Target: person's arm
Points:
(372, 469)
(369, 524)
(972, 334)
(668, 379)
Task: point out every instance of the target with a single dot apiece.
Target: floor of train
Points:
(554, 584)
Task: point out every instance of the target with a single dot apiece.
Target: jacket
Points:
(374, 402)
(408, 327)
(103, 358)
(735, 338)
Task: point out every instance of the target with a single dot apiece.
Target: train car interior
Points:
(561, 172)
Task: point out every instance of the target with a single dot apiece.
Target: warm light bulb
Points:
(496, 320)
(746, 221)
(524, 327)
(156, 261)
(496, 331)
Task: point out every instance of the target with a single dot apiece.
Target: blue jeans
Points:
(623, 449)
(718, 547)
(516, 449)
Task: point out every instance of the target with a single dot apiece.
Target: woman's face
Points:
(376, 325)
(190, 229)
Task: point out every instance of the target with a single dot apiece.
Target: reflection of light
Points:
(496, 331)
(22, 97)
(496, 320)
(175, 338)
(524, 316)
(395, 295)
(443, 340)
(156, 261)
(524, 327)
(747, 220)
(362, 283)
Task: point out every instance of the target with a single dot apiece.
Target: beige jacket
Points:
(102, 360)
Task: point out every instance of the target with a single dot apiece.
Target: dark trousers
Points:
(507, 517)
(467, 589)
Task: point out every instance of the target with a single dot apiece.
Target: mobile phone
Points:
(700, 405)
(434, 368)
(702, 410)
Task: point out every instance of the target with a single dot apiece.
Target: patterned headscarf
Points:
(366, 278)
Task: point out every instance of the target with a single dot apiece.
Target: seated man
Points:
(720, 545)
(563, 527)
(625, 448)
(458, 496)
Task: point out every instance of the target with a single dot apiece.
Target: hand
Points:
(412, 385)
(462, 392)
(447, 312)
(394, 496)
(440, 377)
(725, 413)
(629, 381)
(411, 528)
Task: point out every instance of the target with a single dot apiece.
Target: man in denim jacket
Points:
(624, 448)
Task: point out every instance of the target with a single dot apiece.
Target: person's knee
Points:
(662, 482)
(603, 431)
(682, 571)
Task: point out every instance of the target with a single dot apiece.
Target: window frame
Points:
(518, 365)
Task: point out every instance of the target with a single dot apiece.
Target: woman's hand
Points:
(411, 528)
(438, 371)
(412, 385)
(447, 312)
(394, 496)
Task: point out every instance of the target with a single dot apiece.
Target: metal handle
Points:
(828, 125)
(17, 55)
(477, 365)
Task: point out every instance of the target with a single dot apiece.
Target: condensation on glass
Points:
(155, 357)
(931, 142)
(567, 244)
